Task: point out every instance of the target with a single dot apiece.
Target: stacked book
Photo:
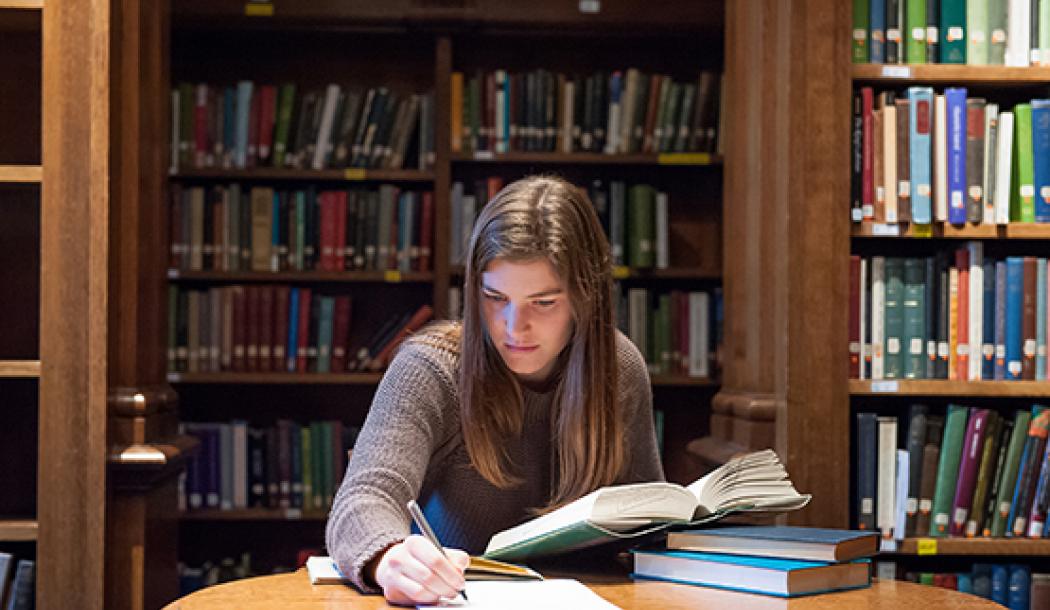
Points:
(781, 561)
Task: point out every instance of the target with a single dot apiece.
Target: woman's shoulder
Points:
(632, 368)
(435, 347)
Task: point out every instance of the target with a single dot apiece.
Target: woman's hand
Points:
(414, 571)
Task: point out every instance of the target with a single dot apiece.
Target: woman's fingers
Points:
(428, 555)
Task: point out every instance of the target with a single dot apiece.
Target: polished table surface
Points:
(293, 591)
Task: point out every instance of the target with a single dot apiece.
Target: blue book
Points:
(784, 542)
(763, 575)
(1041, 158)
(1014, 302)
(1000, 320)
(955, 102)
(877, 28)
(964, 582)
(293, 330)
(1040, 319)
(1000, 583)
(921, 120)
(324, 335)
(1018, 587)
(988, 321)
(244, 104)
(982, 580)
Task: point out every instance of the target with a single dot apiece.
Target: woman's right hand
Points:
(413, 571)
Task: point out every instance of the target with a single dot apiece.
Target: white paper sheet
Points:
(558, 594)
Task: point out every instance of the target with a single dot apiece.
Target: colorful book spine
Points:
(973, 449)
(1013, 315)
(877, 27)
(1041, 159)
(948, 469)
(915, 32)
(953, 32)
(921, 110)
(955, 98)
(1022, 202)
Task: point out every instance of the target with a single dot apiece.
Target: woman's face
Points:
(527, 314)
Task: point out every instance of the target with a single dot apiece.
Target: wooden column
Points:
(787, 247)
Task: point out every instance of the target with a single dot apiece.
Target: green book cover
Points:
(953, 31)
(1022, 199)
(317, 462)
(860, 31)
(948, 469)
(997, 14)
(914, 358)
(985, 473)
(285, 104)
(641, 232)
(977, 32)
(307, 462)
(1004, 494)
(326, 465)
(324, 335)
(914, 32)
(893, 347)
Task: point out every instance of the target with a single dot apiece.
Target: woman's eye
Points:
(494, 297)
(545, 304)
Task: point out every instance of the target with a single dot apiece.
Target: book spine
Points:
(953, 32)
(1008, 480)
(973, 449)
(947, 470)
(866, 470)
(920, 107)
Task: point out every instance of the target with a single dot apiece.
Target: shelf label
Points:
(885, 387)
(483, 155)
(174, 377)
(354, 173)
(927, 546)
(392, 275)
(173, 274)
(896, 71)
(620, 272)
(881, 229)
(258, 9)
(590, 7)
(684, 158)
(293, 513)
(925, 230)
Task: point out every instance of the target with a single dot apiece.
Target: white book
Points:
(976, 311)
(889, 158)
(1018, 32)
(629, 106)
(878, 312)
(240, 463)
(940, 159)
(1003, 166)
(568, 105)
(502, 130)
(901, 491)
(865, 345)
(886, 506)
(663, 250)
(324, 132)
(991, 132)
(699, 333)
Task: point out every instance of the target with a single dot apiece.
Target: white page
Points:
(558, 594)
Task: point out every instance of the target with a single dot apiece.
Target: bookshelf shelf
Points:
(255, 514)
(943, 387)
(18, 530)
(22, 4)
(947, 231)
(684, 380)
(327, 175)
(391, 276)
(944, 73)
(19, 368)
(21, 173)
(623, 273)
(276, 378)
(1019, 547)
(676, 159)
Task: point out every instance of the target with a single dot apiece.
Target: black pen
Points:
(424, 527)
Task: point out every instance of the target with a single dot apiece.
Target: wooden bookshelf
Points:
(950, 74)
(623, 273)
(390, 276)
(255, 514)
(18, 530)
(20, 174)
(1016, 547)
(946, 388)
(19, 368)
(579, 158)
(22, 4)
(683, 380)
(947, 231)
(276, 378)
(327, 175)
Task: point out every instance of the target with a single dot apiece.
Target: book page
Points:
(558, 594)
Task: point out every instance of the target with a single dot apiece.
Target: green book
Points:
(308, 473)
(953, 31)
(914, 32)
(641, 229)
(1022, 199)
(1004, 495)
(997, 14)
(324, 335)
(948, 469)
(325, 458)
(861, 20)
(317, 462)
(985, 473)
(914, 304)
(977, 32)
(285, 104)
(894, 319)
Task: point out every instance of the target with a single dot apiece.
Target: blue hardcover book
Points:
(964, 582)
(877, 26)
(293, 330)
(982, 580)
(213, 479)
(6, 560)
(324, 335)
(988, 322)
(866, 461)
(921, 120)
(1000, 583)
(1014, 302)
(1000, 320)
(1041, 158)
(955, 102)
(763, 575)
(1040, 319)
(1018, 587)
(244, 104)
(784, 542)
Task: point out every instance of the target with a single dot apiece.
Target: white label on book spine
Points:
(955, 32)
(483, 155)
(880, 194)
(904, 188)
(932, 34)
(915, 348)
(1004, 507)
(884, 387)
(923, 190)
(998, 36)
(976, 192)
(971, 528)
(854, 347)
(1041, 350)
(1044, 192)
(856, 215)
(960, 515)
(590, 7)
(1027, 190)
(1000, 352)
(917, 33)
(957, 199)
(962, 349)
(987, 350)
(977, 36)
(931, 348)
(868, 210)
(1029, 347)
(893, 345)
(913, 505)
(1035, 529)
(867, 505)
(860, 34)
(893, 34)
(896, 71)
(1014, 366)
(940, 519)
(942, 349)
(925, 505)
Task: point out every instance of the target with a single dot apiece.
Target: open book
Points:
(753, 482)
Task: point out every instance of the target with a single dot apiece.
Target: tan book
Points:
(262, 227)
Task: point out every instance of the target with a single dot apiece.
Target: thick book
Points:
(764, 575)
(785, 542)
(753, 482)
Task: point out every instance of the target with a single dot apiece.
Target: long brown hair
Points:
(545, 218)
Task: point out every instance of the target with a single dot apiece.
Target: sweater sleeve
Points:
(390, 459)
(636, 397)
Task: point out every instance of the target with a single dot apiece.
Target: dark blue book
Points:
(1041, 158)
(764, 575)
(784, 542)
(866, 464)
(1013, 315)
(1000, 583)
(1018, 587)
(988, 311)
(877, 24)
(5, 566)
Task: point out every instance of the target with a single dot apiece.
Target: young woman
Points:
(533, 401)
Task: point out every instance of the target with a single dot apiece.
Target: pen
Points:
(424, 527)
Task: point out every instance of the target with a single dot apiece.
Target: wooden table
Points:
(294, 592)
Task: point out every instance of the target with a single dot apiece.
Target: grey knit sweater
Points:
(411, 446)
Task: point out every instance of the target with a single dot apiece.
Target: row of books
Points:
(208, 573)
(975, 32)
(672, 330)
(17, 583)
(237, 228)
(924, 157)
(286, 465)
(634, 217)
(955, 315)
(277, 328)
(246, 125)
(971, 472)
(1012, 585)
(617, 112)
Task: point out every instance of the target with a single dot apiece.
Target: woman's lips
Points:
(521, 348)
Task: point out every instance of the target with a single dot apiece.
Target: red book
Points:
(267, 113)
(426, 231)
(340, 333)
(251, 342)
(240, 328)
(867, 192)
(1028, 325)
(253, 130)
(280, 340)
(327, 231)
(418, 319)
(304, 330)
(266, 303)
(854, 317)
(650, 113)
(339, 230)
(494, 185)
(962, 326)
